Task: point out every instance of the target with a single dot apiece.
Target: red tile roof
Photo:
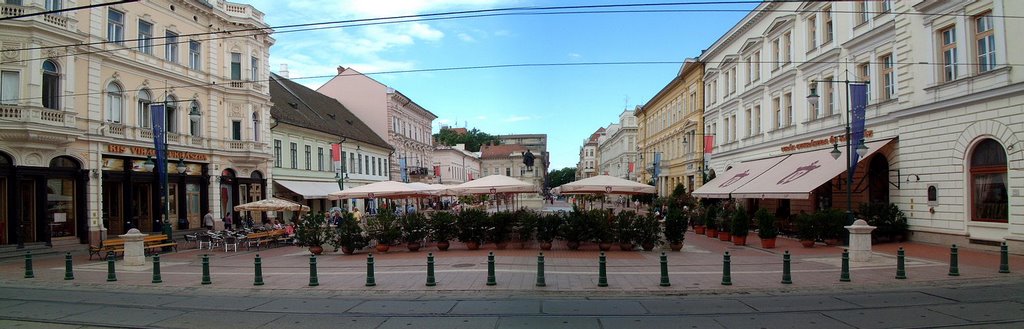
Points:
(500, 151)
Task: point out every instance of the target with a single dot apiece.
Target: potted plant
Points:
(414, 230)
(313, 232)
(625, 230)
(711, 221)
(740, 226)
(501, 229)
(696, 217)
(547, 229)
(806, 230)
(889, 221)
(524, 225)
(574, 229)
(472, 226)
(725, 224)
(385, 229)
(602, 232)
(348, 235)
(442, 229)
(648, 231)
(831, 223)
(766, 229)
(675, 229)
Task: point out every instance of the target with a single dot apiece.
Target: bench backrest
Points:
(154, 239)
(113, 242)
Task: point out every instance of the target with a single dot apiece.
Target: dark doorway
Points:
(878, 179)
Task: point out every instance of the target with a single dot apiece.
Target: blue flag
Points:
(858, 105)
(404, 169)
(657, 167)
(156, 111)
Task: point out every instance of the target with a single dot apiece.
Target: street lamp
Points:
(149, 165)
(193, 112)
(341, 180)
(182, 168)
(813, 98)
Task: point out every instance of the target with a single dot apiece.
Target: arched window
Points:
(989, 199)
(256, 126)
(171, 114)
(144, 99)
(51, 85)
(194, 126)
(115, 102)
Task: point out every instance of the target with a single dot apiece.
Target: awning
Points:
(309, 190)
(738, 175)
(799, 174)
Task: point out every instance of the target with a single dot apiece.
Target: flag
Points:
(631, 167)
(437, 171)
(657, 167)
(404, 170)
(709, 143)
(858, 105)
(157, 113)
(470, 176)
(336, 157)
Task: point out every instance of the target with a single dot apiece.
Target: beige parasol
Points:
(385, 189)
(271, 204)
(604, 184)
(494, 184)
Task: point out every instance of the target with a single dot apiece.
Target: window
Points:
(732, 129)
(254, 68)
(727, 132)
(115, 26)
(756, 121)
(51, 86)
(142, 105)
(309, 156)
(171, 47)
(373, 166)
(776, 55)
(947, 39)
(236, 66)
(115, 102)
(359, 164)
(171, 115)
(194, 126)
(330, 158)
(860, 9)
(256, 126)
(787, 49)
(277, 153)
(826, 15)
(787, 108)
(864, 74)
(812, 31)
(989, 197)
(320, 159)
(888, 77)
(351, 162)
(884, 6)
(194, 58)
(830, 97)
(52, 5)
(750, 71)
(813, 112)
(295, 155)
(757, 68)
(10, 87)
(732, 81)
(380, 167)
(145, 37)
(236, 130)
(986, 42)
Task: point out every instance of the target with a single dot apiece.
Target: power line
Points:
(67, 9)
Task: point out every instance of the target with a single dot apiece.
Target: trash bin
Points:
(182, 224)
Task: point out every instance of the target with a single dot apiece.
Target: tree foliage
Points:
(561, 176)
(473, 138)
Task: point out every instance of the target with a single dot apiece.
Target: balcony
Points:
(33, 126)
(418, 171)
(65, 23)
(243, 11)
(38, 115)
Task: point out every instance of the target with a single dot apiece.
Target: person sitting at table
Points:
(277, 225)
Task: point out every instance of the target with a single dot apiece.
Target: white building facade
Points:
(455, 165)
(617, 148)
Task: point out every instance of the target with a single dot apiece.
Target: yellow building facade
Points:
(670, 132)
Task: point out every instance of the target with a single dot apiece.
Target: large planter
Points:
(518, 245)
(347, 250)
(711, 232)
(647, 246)
(413, 246)
(545, 245)
(472, 245)
(807, 243)
(383, 247)
(724, 236)
(316, 250)
(573, 245)
(831, 242)
(739, 240)
(443, 245)
(676, 246)
(768, 243)
(699, 229)
(625, 246)
(501, 245)
(604, 246)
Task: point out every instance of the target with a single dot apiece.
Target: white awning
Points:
(309, 190)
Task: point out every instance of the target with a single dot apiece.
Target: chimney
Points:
(284, 71)
(341, 69)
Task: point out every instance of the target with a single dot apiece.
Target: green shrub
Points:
(349, 235)
(675, 226)
(313, 231)
(547, 226)
(414, 227)
(384, 228)
(442, 226)
(472, 225)
(889, 221)
(740, 222)
(766, 224)
(648, 229)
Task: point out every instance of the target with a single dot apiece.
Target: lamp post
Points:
(813, 99)
(341, 180)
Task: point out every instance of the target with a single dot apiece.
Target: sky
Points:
(567, 103)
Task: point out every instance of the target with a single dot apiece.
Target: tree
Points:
(561, 176)
(473, 138)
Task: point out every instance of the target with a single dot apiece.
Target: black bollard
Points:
(954, 267)
(313, 280)
(430, 270)
(28, 265)
(370, 281)
(111, 276)
(156, 269)
(901, 269)
(1004, 258)
(540, 270)
(69, 273)
(602, 274)
(258, 263)
(664, 271)
(844, 274)
(206, 269)
(491, 280)
(726, 276)
(787, 278)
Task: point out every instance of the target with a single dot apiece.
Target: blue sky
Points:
(565, 102)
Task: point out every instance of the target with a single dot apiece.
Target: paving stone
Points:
(696, 306)
(796, 303)
(548, 322)
(123, 316)
(780, 321)
(439, 322)
(7, 303)
(219, 303)
(318, 321)
(989, 311)
(218, 319)
(296, 305)
(45, 295)
(900, 317)
(403, 307)
(134, 299)
(46, 310)
(889, 299)
(670, 322)
(973, 293)
(502, 307)
(34, 325)
(1007, 325)
(593, 307)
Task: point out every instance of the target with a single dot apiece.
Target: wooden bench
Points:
(158, 241)
(114, 245)
(263, 238)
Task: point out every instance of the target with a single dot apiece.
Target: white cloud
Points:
(481, 118)
(466, 37)
(517, 118)
(574, 56)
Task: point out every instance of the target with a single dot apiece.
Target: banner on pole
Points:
(404, 170)
(336, 157)
(858, 107)
(157, 113)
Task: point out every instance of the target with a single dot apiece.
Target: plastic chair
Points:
(203, 238)
(232, 241)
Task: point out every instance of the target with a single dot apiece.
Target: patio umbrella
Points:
(443, 190)
(271, 204)
(385, 189)
(604, 184)
(494, 184)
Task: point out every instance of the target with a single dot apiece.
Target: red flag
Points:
(337, 152)
(709, 143)
(630, 167)
(470, 176)
(437, 170)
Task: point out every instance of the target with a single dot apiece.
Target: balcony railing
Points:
(38, 115)
(64, 22)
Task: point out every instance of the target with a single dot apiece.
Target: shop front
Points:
(42, 204)
(235, 190)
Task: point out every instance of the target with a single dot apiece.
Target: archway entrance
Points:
(878, 179)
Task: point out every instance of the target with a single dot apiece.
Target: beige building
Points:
(670, 129)
(77, 90)
(507, 159)
(587, 166)
(392, 115)
(616, 149)
(455, 165)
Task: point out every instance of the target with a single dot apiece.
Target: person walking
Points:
(227, 221)
(208, 220)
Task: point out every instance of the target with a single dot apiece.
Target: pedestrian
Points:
(227, 221)
(357, 214)
(208, 219)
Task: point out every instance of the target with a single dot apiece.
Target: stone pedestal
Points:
(218, 224)
(134, 251)
(860, 241)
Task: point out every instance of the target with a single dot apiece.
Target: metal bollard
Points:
(258, 264)
(954, 267)
(111, 276)
(726, 276)
(313, 280)
(69, 273)
(540, 270)
(664, 271)
(602, 274)
(844, 274)
(206, 269)
(901, 269)
(28, 265)
(787, 278)
(491, 280)
(430, 270)
(370, 282)
(1004, 258)
(156, 269)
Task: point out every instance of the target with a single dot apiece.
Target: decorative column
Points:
(860, 241)
(134, 253)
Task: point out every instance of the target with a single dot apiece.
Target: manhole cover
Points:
(463, 265)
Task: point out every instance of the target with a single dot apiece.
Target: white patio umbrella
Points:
(494, 184)
(271, 204)
(604, 184)
(443, 190)
(385, 189)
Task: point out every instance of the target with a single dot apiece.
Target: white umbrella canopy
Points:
(385, 189)
(271, 204)
(604, 184)
(494, 184)
(440, 189)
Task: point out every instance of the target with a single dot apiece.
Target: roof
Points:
(500, 151)
(301, 106)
